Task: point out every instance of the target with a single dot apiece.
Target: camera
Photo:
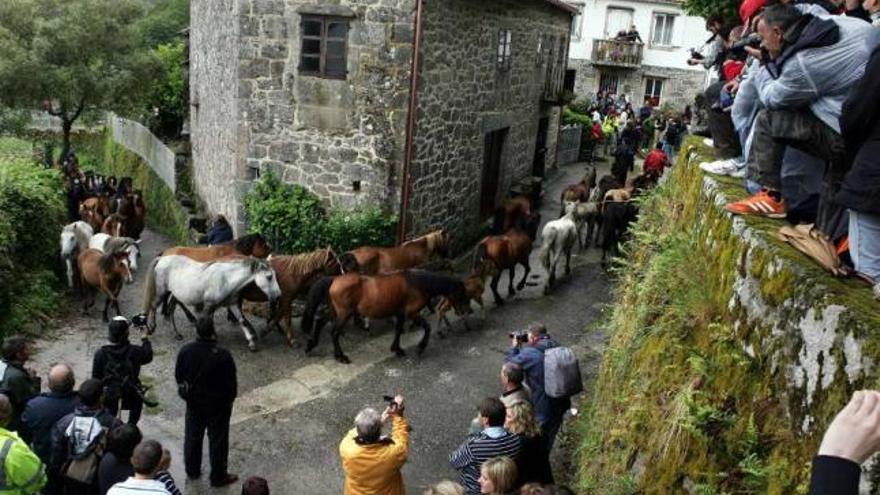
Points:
(696, 55)
(139, 321)
(739, 48)
(521, 336)
(392, 403)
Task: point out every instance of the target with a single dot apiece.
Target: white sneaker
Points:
(709, 142)
(730, 166)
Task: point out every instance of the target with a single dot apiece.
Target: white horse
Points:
(558, 237)
(74, 240)
(108, 244)
(587, 214)
(205, 286)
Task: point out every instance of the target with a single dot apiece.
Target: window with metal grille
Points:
(323, 47)
(653, 90)
(503, 55)
(608, 83)
(664, 25)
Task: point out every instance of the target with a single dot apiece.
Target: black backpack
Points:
(118, 376)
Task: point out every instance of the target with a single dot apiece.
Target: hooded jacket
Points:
(823, 61)
(138, 355)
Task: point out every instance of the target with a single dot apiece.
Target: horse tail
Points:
(150, 285)
(318, 294)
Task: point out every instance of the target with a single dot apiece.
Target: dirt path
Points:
(293, 410)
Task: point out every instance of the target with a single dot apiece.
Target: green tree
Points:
(727, 9)
(168, 101)
(73, 56)
(164, 22)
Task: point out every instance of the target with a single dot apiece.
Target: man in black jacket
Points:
(860, 190)
(118, 366)
(17, 382)
(206, 380)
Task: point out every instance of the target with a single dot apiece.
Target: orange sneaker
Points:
(761, 204)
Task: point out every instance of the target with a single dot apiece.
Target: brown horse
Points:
(295, 274)
(580, 192)
(474, 286)
(105, 273)
(250, 245)
(91, 213)
(401, 294)
(115, 225)
(506, 251)
(137, 218)
(508, 214)
(410, 254)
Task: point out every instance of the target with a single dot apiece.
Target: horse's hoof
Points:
(342, 358)
(252, 347)
(399, 353)
(178, 337)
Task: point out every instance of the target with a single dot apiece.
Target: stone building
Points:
(654, 68)
(319, 93)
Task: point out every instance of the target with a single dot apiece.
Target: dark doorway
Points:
(570, 75)
(493, 147)
(540, 148)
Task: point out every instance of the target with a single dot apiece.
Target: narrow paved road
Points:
(293, 410)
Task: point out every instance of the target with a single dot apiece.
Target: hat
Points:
(118, 329)
(749, 8)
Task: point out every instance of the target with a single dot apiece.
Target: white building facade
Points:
(656, 68)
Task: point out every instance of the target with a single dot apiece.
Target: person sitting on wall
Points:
(219, 232)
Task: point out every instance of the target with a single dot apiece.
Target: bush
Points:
(166, 107)
(293, 220)
(33, 212)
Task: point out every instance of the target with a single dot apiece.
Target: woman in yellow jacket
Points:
(370, 461)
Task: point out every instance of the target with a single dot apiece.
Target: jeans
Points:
(216, 421)
(671, 152)
(864, 243)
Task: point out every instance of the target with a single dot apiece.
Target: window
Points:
(324, 46)
(577, 22)
(608, 83)
(653, 90)
(617, 20)
(663, 27)
(503, 56)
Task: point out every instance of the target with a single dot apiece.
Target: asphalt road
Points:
(293, 410)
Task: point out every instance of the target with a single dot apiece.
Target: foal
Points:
(105, 273)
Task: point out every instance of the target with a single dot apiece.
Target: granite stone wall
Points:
(216, 146)
(463, 94)
(679, 86)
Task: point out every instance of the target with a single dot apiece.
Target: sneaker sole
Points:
(774, 216)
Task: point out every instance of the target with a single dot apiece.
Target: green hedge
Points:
(32, 212)
(293, 220)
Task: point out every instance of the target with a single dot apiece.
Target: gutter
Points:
(410, 124)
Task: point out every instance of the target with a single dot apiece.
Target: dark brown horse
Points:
(106, 273)
(508, 214)
(506, 251)
(137, 219)
(115, 225)
(250, 245)
(474, 286)
(410, 254)
(580, 192)
(401, 294)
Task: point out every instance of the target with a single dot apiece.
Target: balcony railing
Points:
(617, 53)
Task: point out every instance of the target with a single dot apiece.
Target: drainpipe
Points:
(410, 124)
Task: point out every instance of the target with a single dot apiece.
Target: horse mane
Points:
(304, 263)
(434, 284)
(245, 243)
(79, 234)
(107, 262)
(115, 244)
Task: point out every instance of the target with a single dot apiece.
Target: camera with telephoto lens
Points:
(392, 403)
(139, 321)
(696, 55)
(521, 336)
(739, 48)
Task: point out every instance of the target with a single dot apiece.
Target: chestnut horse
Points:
(410, 254)
(115, 225)
(295, 275)
(401, 294)
(91, 213)
(250, 245)
(474, 286)
(104, 272)
(511, 212)
(506, 251)
(580, 192)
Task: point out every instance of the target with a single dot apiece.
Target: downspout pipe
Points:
(410, 124)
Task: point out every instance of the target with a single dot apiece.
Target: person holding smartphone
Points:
(371, 461)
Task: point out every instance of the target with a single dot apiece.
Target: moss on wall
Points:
(729, 354)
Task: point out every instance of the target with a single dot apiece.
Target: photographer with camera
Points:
(534, 350)
(372, 462)
(118, 366)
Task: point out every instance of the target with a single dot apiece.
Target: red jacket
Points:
(655, 162)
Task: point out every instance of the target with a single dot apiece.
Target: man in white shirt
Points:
(146, 459)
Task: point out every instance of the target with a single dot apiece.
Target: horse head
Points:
(264, 277)
(116, 263)
(438, 243)
(133, 250)
(253, 245)
(68, 243)
(339, 264)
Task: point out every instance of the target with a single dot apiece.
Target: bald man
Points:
(23, 472)
(44, 410)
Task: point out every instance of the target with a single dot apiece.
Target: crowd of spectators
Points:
(795, 113)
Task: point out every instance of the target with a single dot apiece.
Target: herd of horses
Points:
(363, 284)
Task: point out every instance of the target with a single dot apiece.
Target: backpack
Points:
(86, 439)
(118, 376)
(562, 373)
